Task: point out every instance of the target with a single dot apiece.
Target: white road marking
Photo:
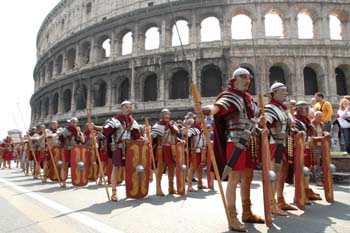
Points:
(96, 225)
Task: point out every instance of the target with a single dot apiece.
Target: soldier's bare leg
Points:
(275, 185)
(233, 180)
(114, 183)
(200, 177)
(45, 171)
(191, 171)
(171, 174)
(310, 195)
(282, 175)
(159, 175)
(247, 215)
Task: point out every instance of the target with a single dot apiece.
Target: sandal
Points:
(114, 195)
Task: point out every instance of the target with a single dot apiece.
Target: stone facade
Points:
(73, 71)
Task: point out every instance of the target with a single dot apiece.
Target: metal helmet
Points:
(74, 119)
(165, 110)
(125, 102)
(238, 72)
(302, 104)
(276, 86)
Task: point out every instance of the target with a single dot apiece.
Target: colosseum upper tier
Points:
(93, 54)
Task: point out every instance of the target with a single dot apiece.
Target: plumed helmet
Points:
(238, 72)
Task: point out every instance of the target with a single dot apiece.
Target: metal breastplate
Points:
(279, 120)
(198, 142)
(235, 124)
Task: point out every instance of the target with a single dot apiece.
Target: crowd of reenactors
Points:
(278, 136)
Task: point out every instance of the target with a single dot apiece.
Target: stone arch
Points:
(152, 37)
(342, 78)
(38, 110)
(211, 80)
(59, 64)
(306, 25)
(179, 84)
(71, 57)
(274, 26)
(280, 72)
(124, 90)
(81, 97)
(46, 105)
(50, 70)
(313, 79)
(210, 29)
(150, 87)
(100, 90)
(126, 42)
(103, 47)
(244, 23)
(67, 100)
(55, 100)
(182, 26)
(340, 29)
(85, 52)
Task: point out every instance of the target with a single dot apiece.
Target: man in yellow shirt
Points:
(326, 108)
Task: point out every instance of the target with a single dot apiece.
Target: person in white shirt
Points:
(343, 117)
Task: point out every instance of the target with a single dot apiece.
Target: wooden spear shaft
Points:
(30, 144)
(149, 137)
(197, 100)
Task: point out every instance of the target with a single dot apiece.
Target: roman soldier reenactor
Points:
(198, 153)
(8, 155)
(303, 123)
(279, 123)
(234, 118)
(39, 146)
(118, 130)
(165, 136)
(71, 135)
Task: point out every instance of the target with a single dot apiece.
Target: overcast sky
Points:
(20, 21)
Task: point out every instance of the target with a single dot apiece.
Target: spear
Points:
(149, 137)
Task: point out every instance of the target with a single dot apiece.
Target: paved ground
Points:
(27, 205)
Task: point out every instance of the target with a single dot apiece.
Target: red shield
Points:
(299, 194)
(79, 165)
(180, 172)
(93, 168)
(265, 160)
(210, 173)
(137, 169)
(327, 175)
(59, 160)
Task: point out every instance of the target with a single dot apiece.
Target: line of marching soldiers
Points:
(286, 142)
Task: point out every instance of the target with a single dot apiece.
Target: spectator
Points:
(209, 120)
(319, 132)
(343, 118)
(292, 107)
(326, 108)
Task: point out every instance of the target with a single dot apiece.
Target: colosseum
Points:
(93, 54)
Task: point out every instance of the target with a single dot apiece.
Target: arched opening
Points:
(81, 96)
(210, 29)
(67, 100)
(273, 25)
(43, 74)
(277, 75)
(335, 28)
(179, 85)
(124, 91)
(50, 70)
(38, 110)
(127, 44)
(46, 106)
(85, 53)
(150, 88)
(55, 104)
(340, 79)
(59, 64)
(310, 81)
(100, 94)
(88, 9)
(241, 27)
(211, 81)
(71, 55)
(305, 26)
(103, 48)
(182, 26)
(152, 38)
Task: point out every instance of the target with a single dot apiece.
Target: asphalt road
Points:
(27, 205)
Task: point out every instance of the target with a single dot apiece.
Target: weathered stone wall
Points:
(70, 55)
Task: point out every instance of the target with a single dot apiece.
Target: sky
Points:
(20, 21)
